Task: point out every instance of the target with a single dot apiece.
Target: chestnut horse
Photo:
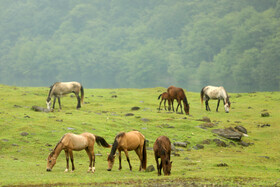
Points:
(179, 95)
(162, 150)
(59, 89)
(164, 96)
(216, 93)
(129, 141)
(72, 142)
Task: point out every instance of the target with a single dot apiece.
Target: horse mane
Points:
(115, 145)
(51, 88)
(51, 154)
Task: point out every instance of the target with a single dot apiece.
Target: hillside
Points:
(28, 136)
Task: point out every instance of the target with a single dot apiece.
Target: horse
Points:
(72, 142)
(179, 95)
(162, 150)
(128, 141)
(216, 93)
(59, 89)
(164, 96)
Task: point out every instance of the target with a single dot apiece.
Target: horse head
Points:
(51, 161)
(111, 160)
(186, 106)
(227, 105)
(166, 166)
(49, 103)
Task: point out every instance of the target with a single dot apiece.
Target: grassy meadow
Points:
(23, 158)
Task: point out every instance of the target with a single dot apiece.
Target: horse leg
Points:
(79, 101)
(159, 105)
(120, 160)
(54, 99)
(72, 160)
(218, 105)
(169, 104)
(59, 102)
(127, 158)
(172, 102)
(90, 160)
(67, 160)
(158, 168)
(165, 104)
(138, 152)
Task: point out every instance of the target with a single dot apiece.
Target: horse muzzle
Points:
(49, 169)
(109, 169)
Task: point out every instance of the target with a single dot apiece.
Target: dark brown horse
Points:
(59, 89)
(179, 95)
(164, 96)
(162, 150)
(72, 142)
(129, 141)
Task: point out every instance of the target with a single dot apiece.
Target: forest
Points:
(141, 44)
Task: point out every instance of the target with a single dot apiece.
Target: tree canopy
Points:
(147, 43)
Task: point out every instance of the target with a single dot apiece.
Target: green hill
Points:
(28, 136)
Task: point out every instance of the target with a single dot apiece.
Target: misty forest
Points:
(140, 44)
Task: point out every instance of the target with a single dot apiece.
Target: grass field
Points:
(23, 158)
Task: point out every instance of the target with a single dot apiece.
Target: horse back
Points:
(162, 146)
(78, 142)
(131, 140)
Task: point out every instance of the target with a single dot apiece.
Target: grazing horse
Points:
(179, 95)
(72, 142)
(129, 141)
(164, 96)
(59, 89)
(162, 150)
(216, 93)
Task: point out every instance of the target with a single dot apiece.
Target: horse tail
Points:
(202, 95)
(82, 94)
(159, 96)
(101, 141)
(144, 158)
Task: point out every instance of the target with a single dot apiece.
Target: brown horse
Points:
(59, 89)
(162, 150)
(179, 95)
(129, 141)
(164, 96)
(72, 142)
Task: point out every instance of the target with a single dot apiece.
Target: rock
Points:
(241, 129)
(150, 168)
(180, 144)
(129, 114)
(114, 96)
(145, 119)
(265, 114)
(40, 109)
(135, 108)
(24, 133)
(5, 140)
(228, 133)
(264, 125)
(198, 146)
(222, 165)
(207, 125)
(207, 141)
(206, 119)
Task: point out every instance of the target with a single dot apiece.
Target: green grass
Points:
(23, 158)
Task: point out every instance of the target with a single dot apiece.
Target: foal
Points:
(164, 96)
(179, 95)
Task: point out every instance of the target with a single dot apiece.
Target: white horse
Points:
(216, 93)
(59, 89)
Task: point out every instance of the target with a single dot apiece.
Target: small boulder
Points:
(150, 168)
(135, 108)
(24, 133)
(265, 114)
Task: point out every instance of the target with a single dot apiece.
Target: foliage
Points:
(118, 44)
